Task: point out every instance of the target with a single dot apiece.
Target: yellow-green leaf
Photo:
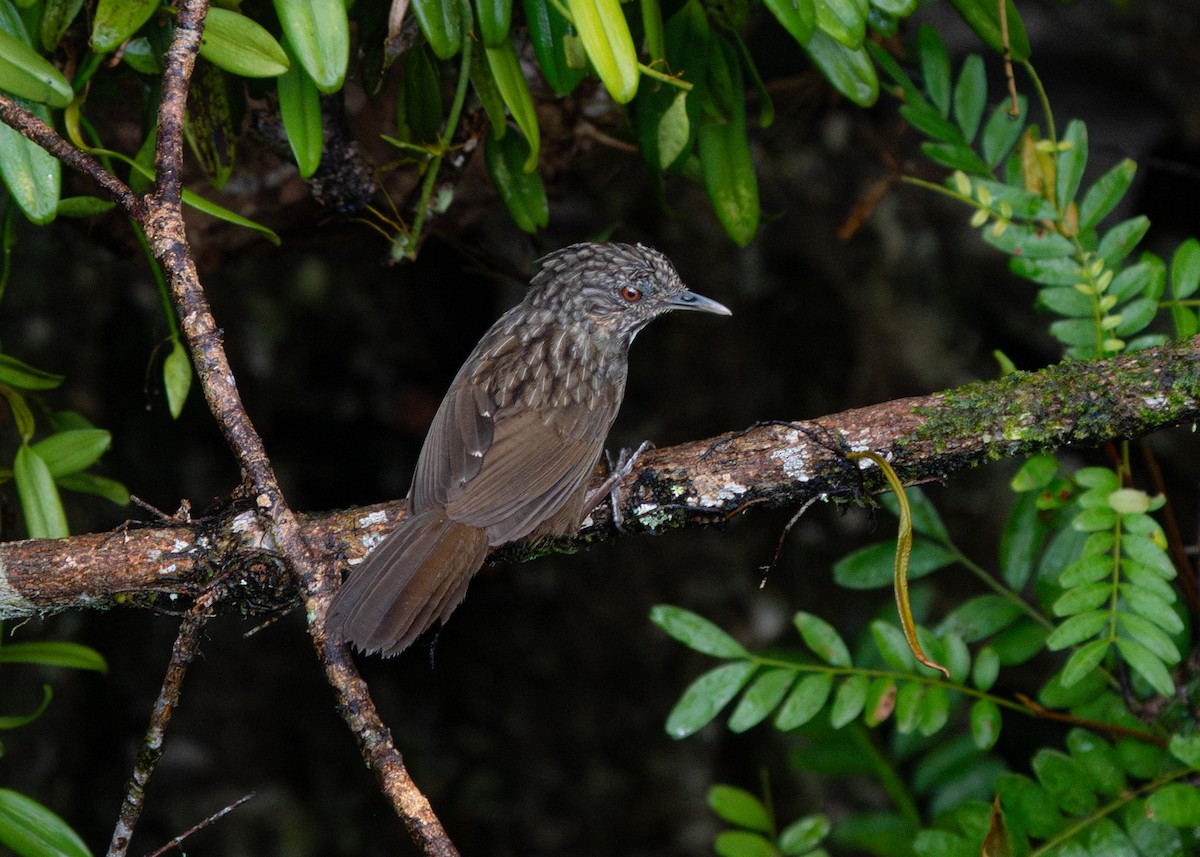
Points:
(57, 15)
(506, 69)
(27, 74)
(177, 377)
(240, 45)
(609, 45)
(32, 175)
(117, 20)
(319, 33)
(441, 22)
(300, 107)
(40, 503)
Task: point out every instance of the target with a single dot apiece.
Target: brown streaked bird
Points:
(516, 438)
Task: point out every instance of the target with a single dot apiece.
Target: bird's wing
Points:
(508, 469)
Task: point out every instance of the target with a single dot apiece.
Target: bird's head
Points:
(619, 288)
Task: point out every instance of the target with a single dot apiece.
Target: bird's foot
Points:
(610, 489)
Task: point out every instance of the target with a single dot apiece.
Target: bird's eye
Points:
(631, 294)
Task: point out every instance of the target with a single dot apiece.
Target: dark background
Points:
(535, 722)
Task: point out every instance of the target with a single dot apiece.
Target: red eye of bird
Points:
(631, 294)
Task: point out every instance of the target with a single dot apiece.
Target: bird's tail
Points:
(417, 576)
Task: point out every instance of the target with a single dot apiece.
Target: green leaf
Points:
(706, 696)
(1035, 473)
(1151, 554)
(1025, 204)
(40, 503)
(935, 67)
(1149, 635)
(724, 150)
(523, 193)
(804, 834)
(1081, 332)
(1032, 242)
(970, 96)
(1186, 748)
(761, 698)
(1104, 195)
(240, 45)
(1002, 131)
(1082, 662)
(31, 174)
(27, 74)
(177, 377)
(22, 416)
(101, 486)
(54, 653)
(798, 17)
(514, 91)
(881, 699)
(1072, 159)
(1078, 628)
(740, 807)
(494, 18)
(1176, 804)
(926, 519)
(1087, 569)
(1082, 598)
(117, 20)
(17, 721)
(983, 16)
(980, 617)
(1135, 279)
(1068, 301)
(1135, 315)
(985, 723)
(909, 698)
(843, 20)
(57, 16)
(1023, 536)
(1097, 760)
(940, 843)
(1147, 665)
(986, 668)
(850, 71)
(806, 699)
(1060, 271)
(696, 632)
(1119, 241)
(300, 109)
(892, 645)
(934, 710)
(1185, 269)
(141, 57)
(83, 206)
(873, 567)
(1028, 805)
(822, 639)
(1062, 777)
(609, 45)
(548, 30)
(31, 830)
(673, 132)
(209, 123)
(954, 156)
(72, 451)
(742, 843)
(318, 34)
(849, 700)
(25, 377)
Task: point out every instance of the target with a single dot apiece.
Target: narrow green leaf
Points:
(983, 16)
(986, 668)
(970, 96)
(17, 721)
(1119, 241)
(1082, 332)
(177, 378)
(25, 377)
(101, 486)
(798, 17)
(1072, 160)
(1023, 536)
(1087, 569)
(985, 723)
(506, 70)
(73, 450)
(31, 174)
(27, 74)
(804, 834)
(1135, 316)
(761, 698)
(874, 566)
(57, 16)
(842, 20)
(1147, 665)
(1019, 642)
(40, 503)
(850, 71)
(300, 109)
(908, 707)
(807, 698)
(1062, 271)
(548, 30)
(1104, 195)
(822, 639)
(696, 632)
(954, 156)
(31, 830)
(1068, 301)
(609, 45)
(1078, 628)
(1147, 603)
(318, 33)
(935, 67)
(980, 617)
(742, 843)
(849, 700)
(725, 158)
(1141, 278)
(652, 27)
(892, 646)
(240, 45)
(1032, 242)
(117, 20)
(494, 18)
(706, 696)
(1079, 599)
(22, 416)
(1150, 553)
(54, 653)
(740, 807)
(1002, 131)
(1185, 269)
(673, 132)
(1148, 635)
(523, 193)
(83, 206)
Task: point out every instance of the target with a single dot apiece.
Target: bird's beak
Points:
(691, 300)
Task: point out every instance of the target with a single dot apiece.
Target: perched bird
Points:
(516, 438)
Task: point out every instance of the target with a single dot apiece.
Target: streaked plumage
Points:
(514, 441)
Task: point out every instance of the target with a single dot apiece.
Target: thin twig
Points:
(187, 643)
(216, 816)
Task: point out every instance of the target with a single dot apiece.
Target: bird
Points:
(512, 447)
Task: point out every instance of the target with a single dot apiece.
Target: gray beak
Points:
(691, 300)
